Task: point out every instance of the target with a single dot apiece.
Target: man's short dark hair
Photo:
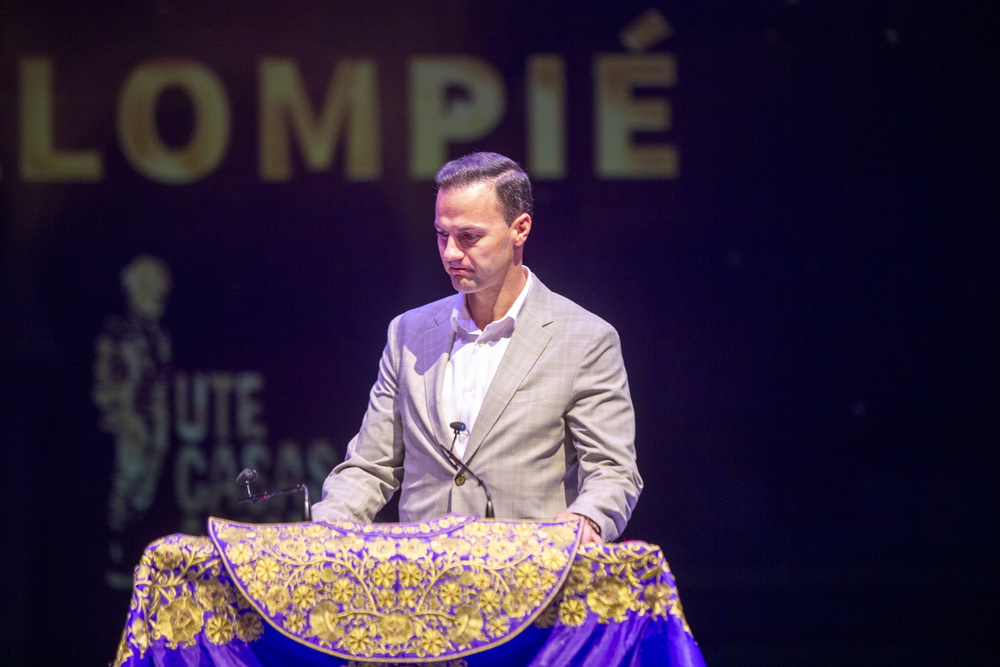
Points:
(509, 181)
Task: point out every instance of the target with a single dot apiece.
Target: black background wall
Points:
(808, 305)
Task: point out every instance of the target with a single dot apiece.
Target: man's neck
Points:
(489, 307)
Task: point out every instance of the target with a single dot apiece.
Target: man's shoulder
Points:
(426, 315)
(561, 309)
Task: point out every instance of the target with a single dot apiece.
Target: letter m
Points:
(350, 111)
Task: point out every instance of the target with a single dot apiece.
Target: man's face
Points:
(477, 247)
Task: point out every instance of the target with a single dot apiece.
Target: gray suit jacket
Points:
(556, 430)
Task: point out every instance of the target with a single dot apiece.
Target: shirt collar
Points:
(462, 322)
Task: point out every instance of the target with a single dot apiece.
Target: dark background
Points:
(808, 312)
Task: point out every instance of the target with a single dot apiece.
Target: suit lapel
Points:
(438, 340)
(526, 344)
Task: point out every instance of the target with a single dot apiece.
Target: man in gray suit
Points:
(538, 382)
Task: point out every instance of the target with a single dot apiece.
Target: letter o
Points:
(138, 134)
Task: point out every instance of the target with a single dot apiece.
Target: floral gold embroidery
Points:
(382, 549)
(396, 629)
(249, 627)
(432, 642)
(384, 574)
(412, 549)
(572, 612)
(323, 622)
(295, 622)
(342, 590)
(257, 589)
(385, 597)
(451, 593)
(277, 599)
(219, 630)
(468, 625)
(410, 574)
(407, 597)
(180, 621)
(379, 591)
(548, 617)
(304, 596)
(499, 626)
(267, 569)
(211, 594)
(614, 582)
(358, 641)
(526, 574)
(657, 596)
(180, 592)
(241, 553)
(490, 601)
(515, 604)
(167, 557)
(432, 592)
(609, 598)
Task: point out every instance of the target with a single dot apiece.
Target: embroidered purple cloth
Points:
(453, 592)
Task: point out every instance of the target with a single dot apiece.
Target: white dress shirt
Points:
(475, 357)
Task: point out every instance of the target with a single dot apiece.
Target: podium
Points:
(453, 592)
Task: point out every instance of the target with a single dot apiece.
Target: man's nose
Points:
(451, 249)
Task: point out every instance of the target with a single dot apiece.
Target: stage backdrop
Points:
(212, 210)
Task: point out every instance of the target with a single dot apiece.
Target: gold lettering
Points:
(351, 102)
(40, 159)
(618, 113)
(547, 116)
(140, 138)
(438, 117)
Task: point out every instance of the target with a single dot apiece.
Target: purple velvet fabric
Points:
(454, 592)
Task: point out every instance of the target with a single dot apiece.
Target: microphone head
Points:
(457, 427)
(248, 475)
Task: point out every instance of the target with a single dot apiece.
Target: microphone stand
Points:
(459, 465)
(249, 475)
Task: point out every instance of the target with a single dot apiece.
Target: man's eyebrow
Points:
(463, 228)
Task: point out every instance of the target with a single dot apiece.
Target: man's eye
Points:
(441, 235)
(472, 237)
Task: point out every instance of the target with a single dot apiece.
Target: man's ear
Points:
(520, 228)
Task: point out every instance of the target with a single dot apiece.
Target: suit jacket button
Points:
(459, 479)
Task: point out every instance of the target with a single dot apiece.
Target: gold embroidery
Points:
(219, 630)
(249, 627)
(180, 591)
(572, 612)
(295, 622)
(549, 616)
(451, 586)
(609, 598)
(358, 641)
(323, 622)
(432, 642)
(437, 591)
(611, 582)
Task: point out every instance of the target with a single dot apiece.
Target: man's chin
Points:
(463, 284)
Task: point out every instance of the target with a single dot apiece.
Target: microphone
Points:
(457, 464)
(249, 475)
(457, 427)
